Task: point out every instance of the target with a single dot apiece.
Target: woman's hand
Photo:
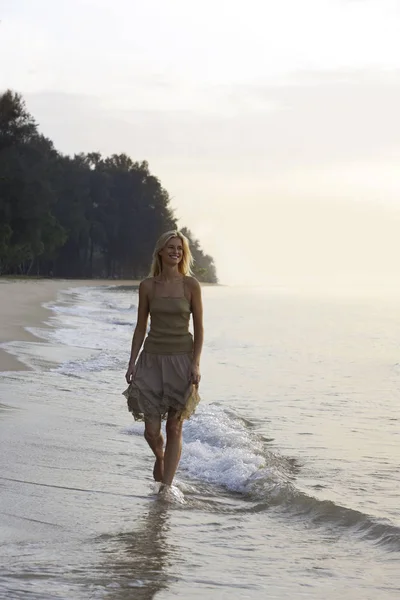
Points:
(195, 374)
(130, 374)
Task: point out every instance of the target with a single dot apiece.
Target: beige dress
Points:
(162, 384)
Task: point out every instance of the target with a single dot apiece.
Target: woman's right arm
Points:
(140, 329)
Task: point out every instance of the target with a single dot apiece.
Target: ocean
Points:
(289, 483)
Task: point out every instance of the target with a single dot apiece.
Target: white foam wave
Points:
(221, 449)
(101, 361)
(99, 320)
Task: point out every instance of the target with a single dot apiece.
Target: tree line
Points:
(80, 216)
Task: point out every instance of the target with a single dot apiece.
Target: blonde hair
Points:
(184, 267)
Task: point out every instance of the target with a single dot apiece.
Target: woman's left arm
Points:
(197, 312)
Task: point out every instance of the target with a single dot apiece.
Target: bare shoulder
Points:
(146, 284)
(192, 283)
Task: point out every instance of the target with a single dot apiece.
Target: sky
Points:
(274, 126)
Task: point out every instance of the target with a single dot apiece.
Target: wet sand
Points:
(288, 470)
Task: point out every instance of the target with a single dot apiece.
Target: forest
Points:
(78, 217)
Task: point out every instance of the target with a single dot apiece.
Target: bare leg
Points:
(173, 449)
(154, 438)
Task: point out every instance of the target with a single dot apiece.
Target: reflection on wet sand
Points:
(138, 563)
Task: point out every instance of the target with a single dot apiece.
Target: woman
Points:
(163, 382)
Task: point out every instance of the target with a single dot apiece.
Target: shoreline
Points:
(21, 302)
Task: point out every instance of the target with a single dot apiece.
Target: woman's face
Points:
(172, 253)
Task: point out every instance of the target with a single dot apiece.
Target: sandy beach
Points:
(21, 303)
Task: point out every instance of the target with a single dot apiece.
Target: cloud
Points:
(322, 119)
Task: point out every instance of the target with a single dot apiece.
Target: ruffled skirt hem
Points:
(162, 388)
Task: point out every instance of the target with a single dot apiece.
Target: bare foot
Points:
(158, 470)
(164, 487)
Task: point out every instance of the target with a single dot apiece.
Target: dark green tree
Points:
(26, 195)
(80, 216)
